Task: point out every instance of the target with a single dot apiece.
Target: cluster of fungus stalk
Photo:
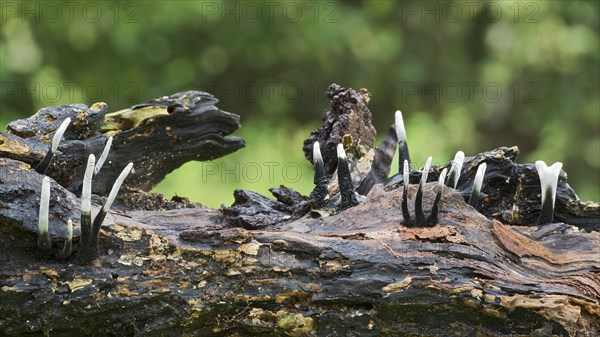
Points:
(88, 244)
(90, 230)
(89, 250)
(419, 215)
(548, 181)
(420, 219)
(404, 163)
(404, 157)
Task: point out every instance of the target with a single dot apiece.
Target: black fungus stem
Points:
(85, 252)
(547, 212)
(474, 198)
(433, 217)
(318, 194)
(67, 249)
(66, 252)
(405, 214)
(419, 215)
(95, 233)
(44, 243)
(319, 171)
(43, 165)
(345, 183)
(403, 155)
(406, 177)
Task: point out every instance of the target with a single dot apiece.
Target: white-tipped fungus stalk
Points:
(403, 153)
(95, 232)
(432, 219)
(59, 133)
(474, 199)
(318, 194)
(345, 180)
(454, 174)
(86, 190)
(318, 163)
(86, 209)
(419, 215)
(103, 156)
(66, 252)
(42, 167)
(548, 183)
(44, 244)
(117, 186)
(407, 220)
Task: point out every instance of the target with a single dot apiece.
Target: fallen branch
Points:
(282, 267)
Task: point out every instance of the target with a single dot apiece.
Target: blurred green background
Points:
(468, 76)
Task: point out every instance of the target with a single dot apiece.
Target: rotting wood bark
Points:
(157, 136)
(183, 269)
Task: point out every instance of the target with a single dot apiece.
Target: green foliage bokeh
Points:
(468, 76)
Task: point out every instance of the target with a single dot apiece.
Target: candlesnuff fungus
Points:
(103, 156)
(345, 180)
(419, 215)
(43, 165)
(88, 245)
(451, 176)
(379, 171)
(104, 211)
(44, 243)
(454, 174)
(318, 163)
(407, 220)
(403, 152)
(318, 194)
(66, 252)
(432, 219)
(548, 183)
(477, 182)
(86, 211)
(420, 220)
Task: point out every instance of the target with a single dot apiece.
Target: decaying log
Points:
(277, 268)
(157, 136)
